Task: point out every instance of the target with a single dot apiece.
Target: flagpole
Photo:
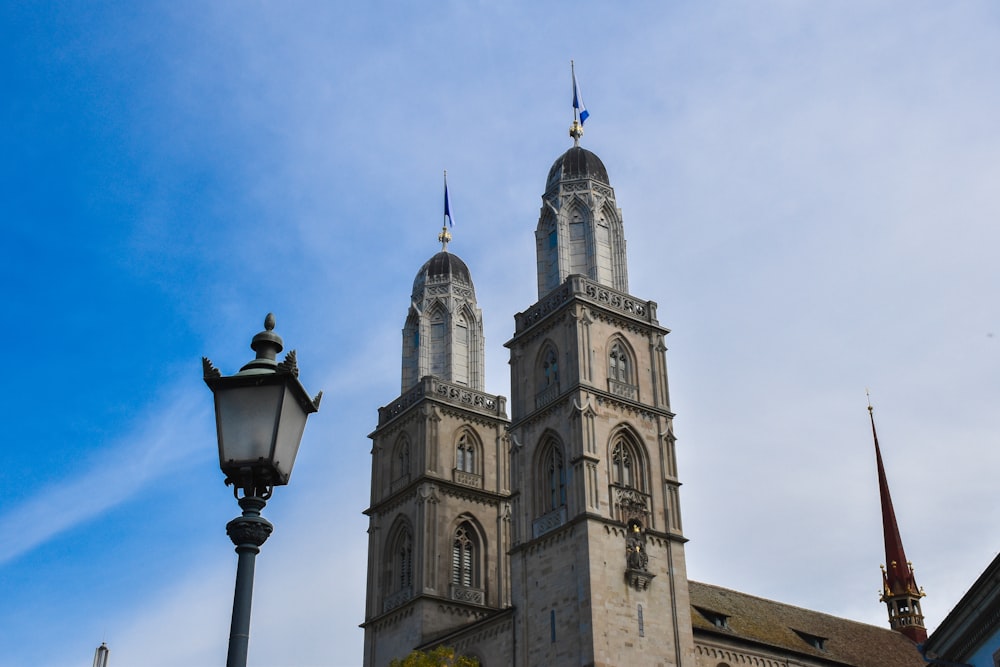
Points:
(576, 129)
(445, 236)
(572, 74)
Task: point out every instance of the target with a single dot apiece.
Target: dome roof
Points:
(442, 265)
(578, 163)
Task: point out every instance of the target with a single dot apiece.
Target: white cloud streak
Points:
(150, 451)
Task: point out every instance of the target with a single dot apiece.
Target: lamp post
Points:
(260, 414)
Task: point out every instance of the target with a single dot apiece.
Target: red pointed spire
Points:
(899, 587)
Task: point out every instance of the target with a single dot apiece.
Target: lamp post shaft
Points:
(247, 532)
(260, 414)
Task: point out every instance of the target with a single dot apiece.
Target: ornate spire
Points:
(899, 587)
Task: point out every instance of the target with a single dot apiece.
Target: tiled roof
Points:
(775, 625)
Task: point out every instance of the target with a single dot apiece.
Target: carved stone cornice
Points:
(474, 418)
(439, 391)
(601, 297)
(469, 494)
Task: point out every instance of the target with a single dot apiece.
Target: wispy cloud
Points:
(151, 450)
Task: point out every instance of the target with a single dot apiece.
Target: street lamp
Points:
(260, 414)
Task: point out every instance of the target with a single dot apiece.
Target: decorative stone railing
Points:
(397, 598)
(629, 503)
(466, 594)
(577, 285)
(547, 395)
(548, 522)
(456, 394)
(623, 389)
(399, 483)
(467, 478)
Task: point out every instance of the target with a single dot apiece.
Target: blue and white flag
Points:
(447, 203)
(578, 104)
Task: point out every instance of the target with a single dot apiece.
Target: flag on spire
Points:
(447, 203)
(578, 106)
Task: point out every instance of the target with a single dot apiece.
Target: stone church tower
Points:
(439, 514)
(597, 559)
(554, 538)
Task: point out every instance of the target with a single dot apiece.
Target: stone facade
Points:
(555, 538)
(598, 553)
(438, 537)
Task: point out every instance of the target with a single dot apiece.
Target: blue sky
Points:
(809, 192)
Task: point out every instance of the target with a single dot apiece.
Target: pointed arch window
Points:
(465, 454)
(548, 254)
(404, 562)
(400, 463)
(403, 459)
(621, 375)
(398, 586)
(550, 368)
(578, 254)
(460, 349)
(438, 358)
(548, 376)
(626, 465)
(619, 364)
(465, 557)
(554, 475)
(411, 350)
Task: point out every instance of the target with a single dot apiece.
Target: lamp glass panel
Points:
(293, 423)
(246, 417)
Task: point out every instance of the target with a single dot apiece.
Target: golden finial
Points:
(444, 237)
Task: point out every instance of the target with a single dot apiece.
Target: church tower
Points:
(439, 514)
(899, 587)
(598, 573)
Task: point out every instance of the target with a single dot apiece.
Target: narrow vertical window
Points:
(402, 460)
(438, 357)
(403, 561)
(619, 364)
(552, 260)
(556, 476)
(622, 466)
(552, 624)
(405, 565)
(578, 255)
(465, 454)
(550, 368)
(642, 627)
(460, 351)
(463, 558)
